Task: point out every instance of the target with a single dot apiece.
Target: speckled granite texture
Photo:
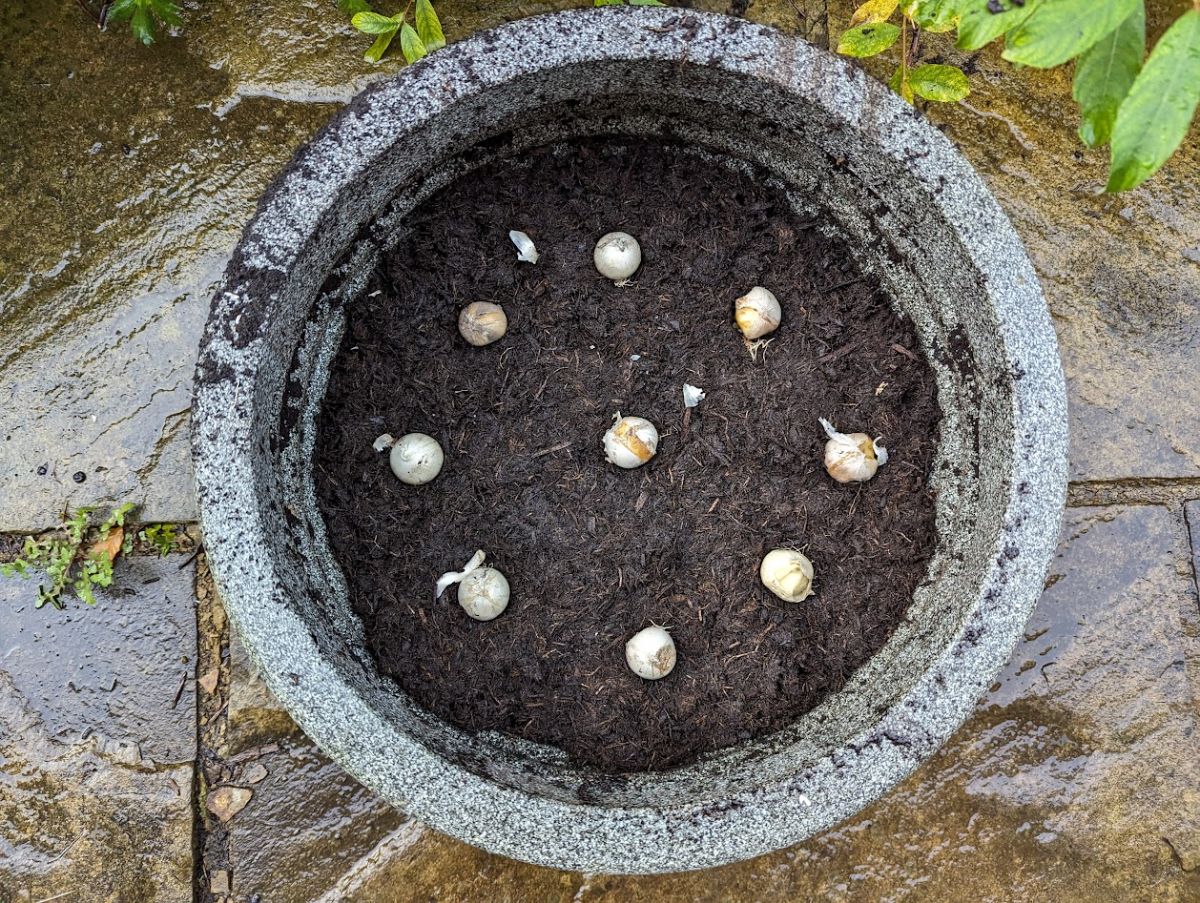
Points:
(841, 145)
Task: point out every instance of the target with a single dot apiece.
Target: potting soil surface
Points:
(594, 553)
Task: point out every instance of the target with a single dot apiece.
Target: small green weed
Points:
(160, 536)
(79, 558)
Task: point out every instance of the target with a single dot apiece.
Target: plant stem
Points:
(87, 9)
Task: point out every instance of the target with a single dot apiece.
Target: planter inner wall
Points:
(843, 150)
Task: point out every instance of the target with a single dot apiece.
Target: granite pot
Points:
(841, 145)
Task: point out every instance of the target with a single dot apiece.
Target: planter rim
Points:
(451, 797)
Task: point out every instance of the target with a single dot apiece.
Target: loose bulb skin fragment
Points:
(482, 323)
(526, 251)
(483, 594)
(757, 313)
(617, 256)
(788, 574)
(692, 395)
(416, 459)
(853, 457)
(650, 653)
(630, 442)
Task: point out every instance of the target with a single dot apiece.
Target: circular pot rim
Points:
(570, 834)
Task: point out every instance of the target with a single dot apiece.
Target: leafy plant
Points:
(629, 3)
(143, 16)
(67, 562)
(415, 42)
(161, 536)
(1142, 110)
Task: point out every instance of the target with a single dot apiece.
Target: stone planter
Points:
(840, 144)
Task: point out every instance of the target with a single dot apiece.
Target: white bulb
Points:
(787, 574)
(482, 323)
(630, 442)
(757, 313)
(650, 653)
(483, 594)
(416, 459)
(853, 457)
(617, 256)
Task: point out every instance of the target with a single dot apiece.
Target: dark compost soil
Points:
(594, 553)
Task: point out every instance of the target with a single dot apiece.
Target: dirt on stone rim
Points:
(594, 553)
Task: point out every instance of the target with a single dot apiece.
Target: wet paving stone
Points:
(118, 227)
(98, 739)
(1077, 779)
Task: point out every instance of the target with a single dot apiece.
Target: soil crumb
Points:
(594, 553)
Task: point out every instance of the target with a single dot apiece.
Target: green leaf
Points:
(161, 536)
(874, 11)
(78, 524)
(166, 11)
(120, 10)
(1154, 118)
(934, 16)
(83, 589)
(1063, 29)
(373, 23)
(610, 2)
(354, 7)
(646, 3)
(410, 44)
(1104, 74)
(978, 26)
(142, 16)
(116, 519)
(868, 40)
(899, 83)
(429, 28)
(945, 84)
(379, 47)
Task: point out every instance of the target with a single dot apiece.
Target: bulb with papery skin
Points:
(630, 442)
(416, 459)
(852, 457)
(788, 574)
(617, 256)
(483, 594)
(757, 313)
(482, 323)
(650, 653)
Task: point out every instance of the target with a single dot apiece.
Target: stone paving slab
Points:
(1077, 779)
(98, 740)
(129, 174)
(117, 229)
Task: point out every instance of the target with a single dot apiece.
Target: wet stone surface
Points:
(309, 825)
(133, 171)
(97, 739)
(122, 214)
(1075, 780)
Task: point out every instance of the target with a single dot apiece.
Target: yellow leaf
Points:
(874, 11)
(110, 545)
